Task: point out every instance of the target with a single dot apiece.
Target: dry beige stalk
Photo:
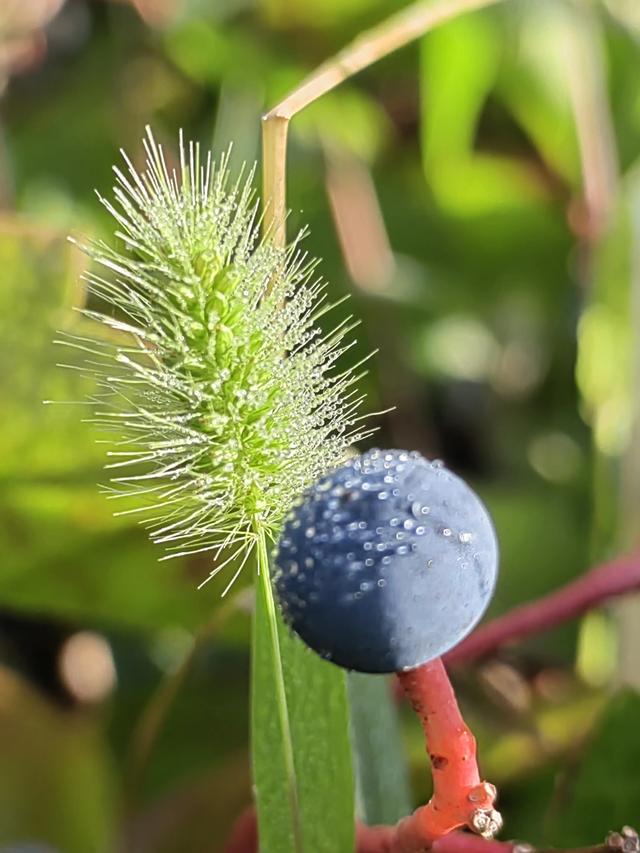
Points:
(396, 32)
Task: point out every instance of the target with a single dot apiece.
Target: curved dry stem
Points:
(396, 32)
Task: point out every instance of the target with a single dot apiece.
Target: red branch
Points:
(459, 798)
(244, 833)
(378, 839)
(598, 585)
(369, 839)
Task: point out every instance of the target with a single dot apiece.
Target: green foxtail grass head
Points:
(223, 397)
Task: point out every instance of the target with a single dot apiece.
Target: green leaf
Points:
(459, 68)
(605, 372)
(300, 739)
(57, 780)
(381, 770)
(39, 273)
(63, 551)
(272, 750)
(64, 554)
(602, 793)
(534, 84)
(319, 713)
(459, 63)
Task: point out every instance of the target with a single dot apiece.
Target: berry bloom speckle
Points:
(386, 563)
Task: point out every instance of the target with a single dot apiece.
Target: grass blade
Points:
(300, 739)
(384, 794)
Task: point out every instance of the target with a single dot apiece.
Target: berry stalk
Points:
(460, 798)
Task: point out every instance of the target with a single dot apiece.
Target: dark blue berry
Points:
(387, 562)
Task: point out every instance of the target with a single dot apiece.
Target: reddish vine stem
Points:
(373, 839)
(369, 839)
(597, 586)
(377, 839)
(460, 798)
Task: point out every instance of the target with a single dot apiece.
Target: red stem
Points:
(369, 839)
(598, 585)
(459, 798)
(243, 837)
(377, 839)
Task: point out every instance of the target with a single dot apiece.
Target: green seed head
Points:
(222, 394)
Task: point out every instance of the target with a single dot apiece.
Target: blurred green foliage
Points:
(508, 343)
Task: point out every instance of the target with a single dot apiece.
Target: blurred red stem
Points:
(243, 837)
(378, 839)
(370, 839)
(597, 586)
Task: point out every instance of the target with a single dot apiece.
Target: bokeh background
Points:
(478, 196)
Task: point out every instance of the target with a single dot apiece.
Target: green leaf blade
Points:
(273, 768)
(319, 713)
(384, 793)
(601, 793)
(301, 753)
